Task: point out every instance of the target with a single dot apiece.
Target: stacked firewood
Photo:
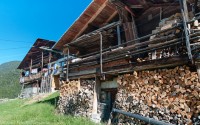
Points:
(170, 95)
(76, 98)
(195, 42)
(165, 24)
(195, 27)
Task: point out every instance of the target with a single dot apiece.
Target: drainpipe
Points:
(101, 57)
(142, 118)
(119, 35)
(67, 72)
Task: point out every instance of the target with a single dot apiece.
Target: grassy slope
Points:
(9, 80)
(41, 113)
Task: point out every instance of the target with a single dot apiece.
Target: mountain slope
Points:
(18, 112)
(9, 80)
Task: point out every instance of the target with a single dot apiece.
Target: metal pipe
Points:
(161, 12)
(142, 118)
(42, 59)
(119, 35)
(101, 57)
(67, 73)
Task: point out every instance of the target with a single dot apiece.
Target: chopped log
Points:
(76, 98)
(170, 95)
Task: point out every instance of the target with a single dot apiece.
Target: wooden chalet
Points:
(140, 56)
(113, 37)
(35, 76)
(116, 37)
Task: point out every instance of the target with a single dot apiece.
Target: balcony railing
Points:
(31, 78)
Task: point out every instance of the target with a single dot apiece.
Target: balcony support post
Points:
(67, 72)
(42, 59)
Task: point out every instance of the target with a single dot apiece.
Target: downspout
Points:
(101, 57)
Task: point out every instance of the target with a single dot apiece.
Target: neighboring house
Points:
(35, 76)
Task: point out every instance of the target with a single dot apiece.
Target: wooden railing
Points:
(31, 78)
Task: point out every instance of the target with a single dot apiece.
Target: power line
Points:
(15, 48)
(13, 55)
(19, 41)
(5, 57)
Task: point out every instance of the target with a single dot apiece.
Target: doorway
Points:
(108, 99)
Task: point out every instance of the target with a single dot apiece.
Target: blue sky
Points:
(23, 21)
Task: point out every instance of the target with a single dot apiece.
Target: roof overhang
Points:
(97, 13)
(35, 53)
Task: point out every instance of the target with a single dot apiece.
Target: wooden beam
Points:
(82, 73)
(129, 27)
(83, 77)
(185, 9)
(143, 3)
(119, 35)
(136, 6)
(165, 5)
(37, 87)
(123, 6)
(112, 16)
(96, 95)
(31, 65)
(149, 65)
(50, 57)
(93, 17)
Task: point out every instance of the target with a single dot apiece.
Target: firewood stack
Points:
(195, 28)
(167, 23)
(76, 98)
(170, 95)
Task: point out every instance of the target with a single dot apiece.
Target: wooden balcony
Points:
(31, 78)
(159, 51)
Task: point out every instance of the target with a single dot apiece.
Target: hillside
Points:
(9, 80)
(18, 112)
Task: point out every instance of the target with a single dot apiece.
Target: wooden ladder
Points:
(22, 91)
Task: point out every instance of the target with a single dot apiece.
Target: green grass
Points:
(40, 113)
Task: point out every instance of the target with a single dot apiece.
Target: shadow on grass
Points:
(52, 100)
